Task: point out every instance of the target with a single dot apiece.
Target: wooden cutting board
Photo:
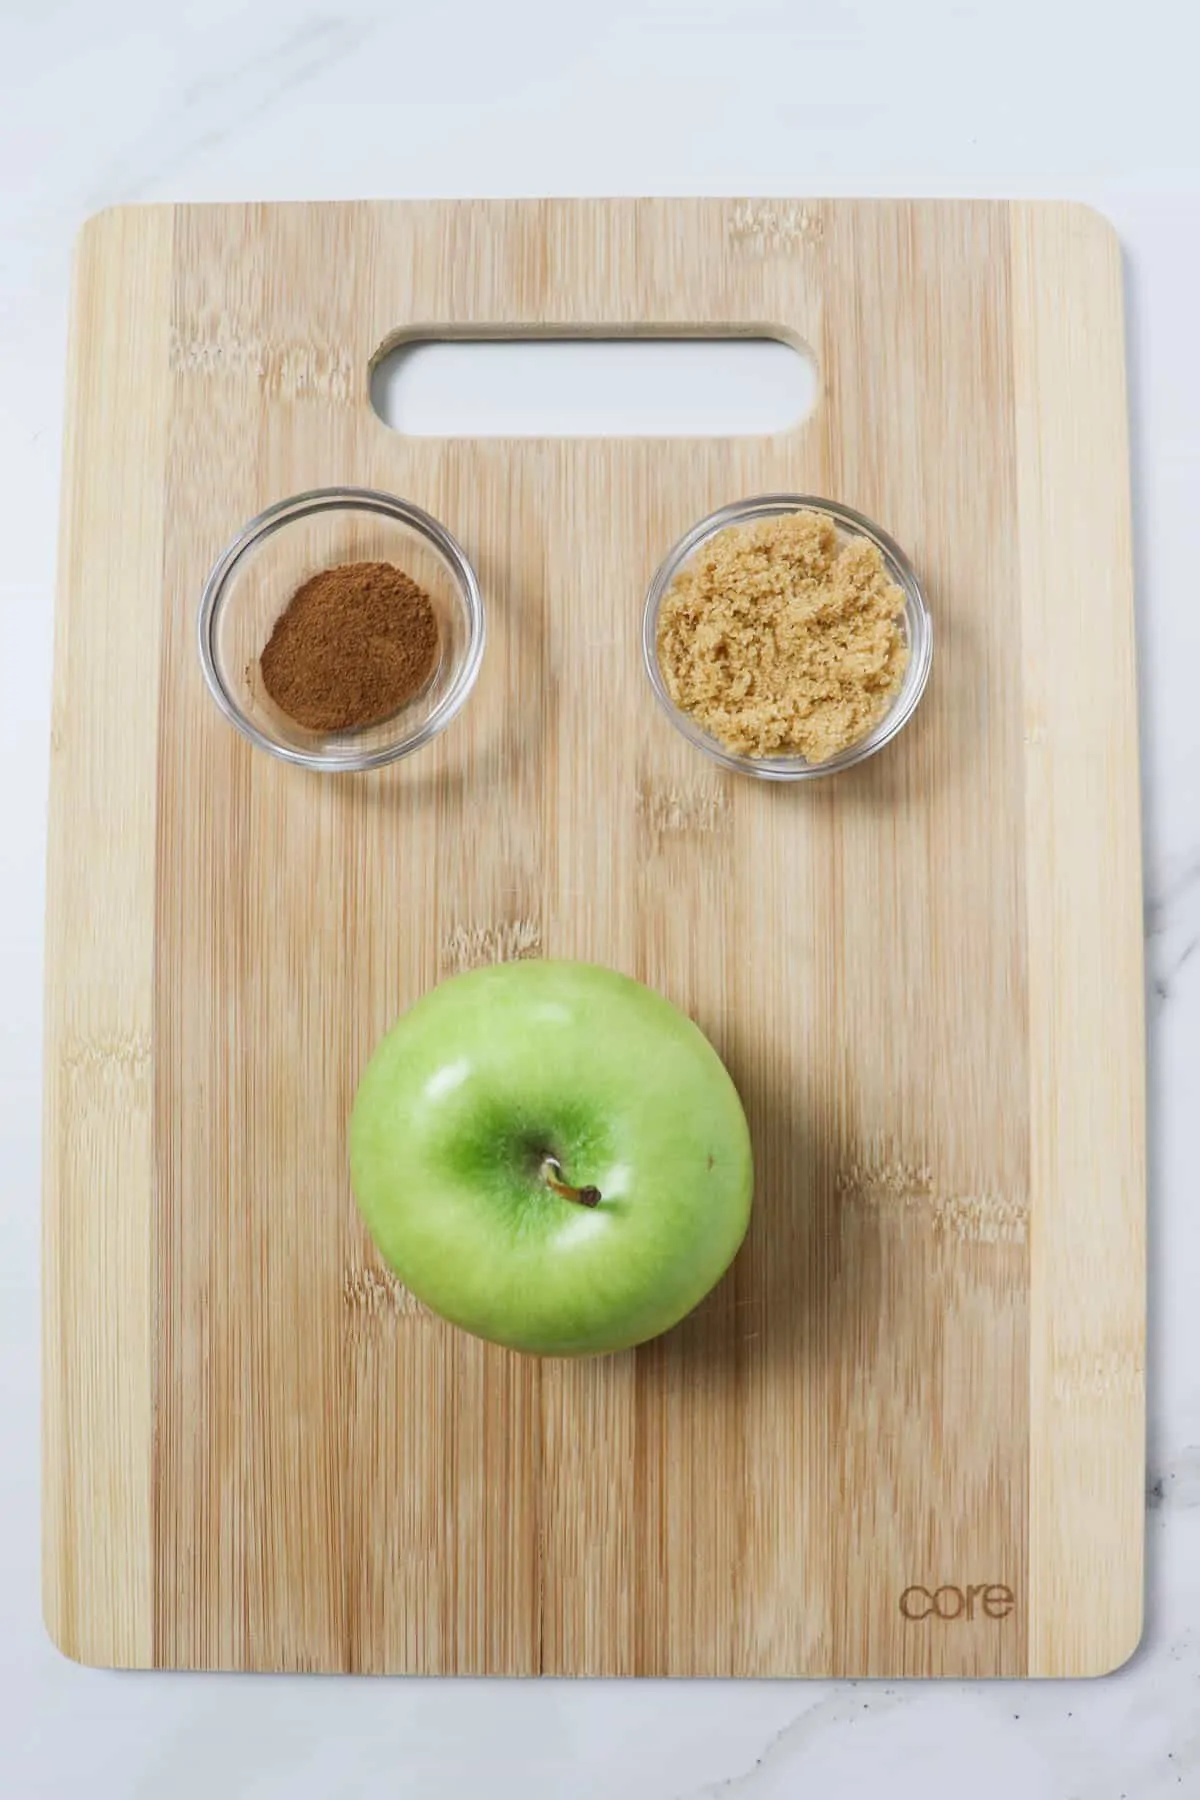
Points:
(905, 1435)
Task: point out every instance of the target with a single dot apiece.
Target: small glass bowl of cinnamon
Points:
(339, 545)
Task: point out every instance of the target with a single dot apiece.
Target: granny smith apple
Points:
(552, 1156)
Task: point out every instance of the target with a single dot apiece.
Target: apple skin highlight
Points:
(495, 1109)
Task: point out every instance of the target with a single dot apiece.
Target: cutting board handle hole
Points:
(562, 386)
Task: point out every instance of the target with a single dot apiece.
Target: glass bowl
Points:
(918, 629)
(253, 580)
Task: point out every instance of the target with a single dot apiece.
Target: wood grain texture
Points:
(98, 1375)
(925, 1368)
(1087, 1487)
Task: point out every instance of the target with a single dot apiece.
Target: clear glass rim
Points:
(919, 626)
(341, 499)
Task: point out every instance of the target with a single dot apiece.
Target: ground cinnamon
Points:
(352, 645)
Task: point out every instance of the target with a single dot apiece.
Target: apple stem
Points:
(551, 1174)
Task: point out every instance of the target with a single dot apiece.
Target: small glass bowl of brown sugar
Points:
(787, 637)
(341, 629)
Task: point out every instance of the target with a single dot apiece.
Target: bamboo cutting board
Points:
(905, 1434)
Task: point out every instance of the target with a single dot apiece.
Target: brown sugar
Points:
(352, 646)
(784, 638)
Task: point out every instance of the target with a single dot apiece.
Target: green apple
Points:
(552, 1156)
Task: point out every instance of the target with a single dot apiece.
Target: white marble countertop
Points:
(227, 100)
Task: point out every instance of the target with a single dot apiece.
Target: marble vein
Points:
(219, 103)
